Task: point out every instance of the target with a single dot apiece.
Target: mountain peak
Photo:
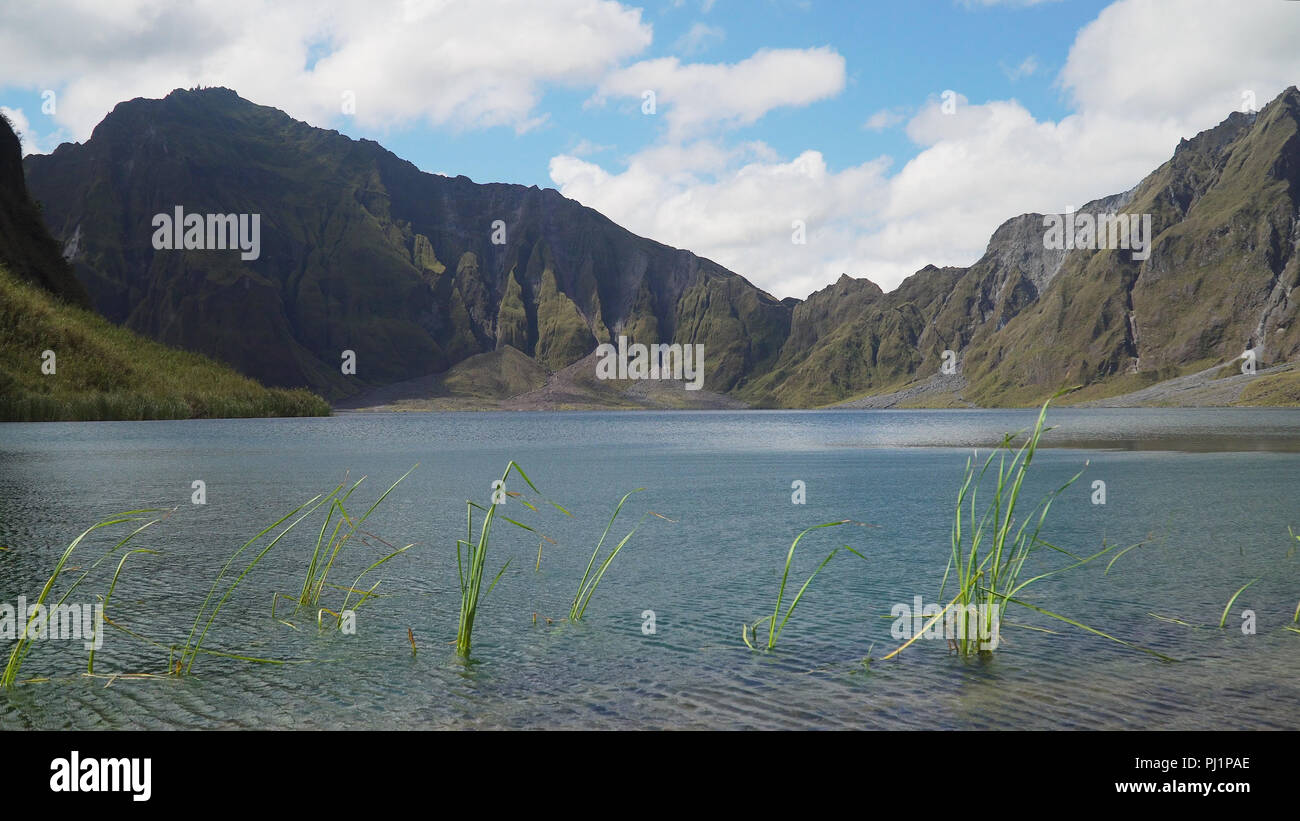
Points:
(416, 272)
(360, 249)
(206, 93)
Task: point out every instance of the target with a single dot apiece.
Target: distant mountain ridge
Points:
(362, 251)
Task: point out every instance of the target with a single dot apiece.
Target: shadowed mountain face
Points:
(26, 248)
(361, 251)
(61, 361)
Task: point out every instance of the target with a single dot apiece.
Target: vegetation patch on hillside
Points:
(59, 362)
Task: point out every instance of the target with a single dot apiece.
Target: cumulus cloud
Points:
(719, 202)
(883, 119)
(700, 96)
(1135, 93)
(698, 38)
(457, 65)
(1028, 67)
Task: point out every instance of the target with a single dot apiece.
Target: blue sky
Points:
(897, 54)
(763, 106)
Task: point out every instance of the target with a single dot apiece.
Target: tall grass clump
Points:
(212, 604)
(324, 556)
(776, 622)
(105, 371)
(22, 646)
(587, 584)
(471, 561)
(326, 551)
(990, 549)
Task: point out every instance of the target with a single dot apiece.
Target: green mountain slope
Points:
(102, 371)
(362, 251)
(417, 273)
(1217, 282)
(1024, 321)
(61, 361)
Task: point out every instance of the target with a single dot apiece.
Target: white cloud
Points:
(698, 38)
(700, 96)
(1143, 75)
(1028, 67)
(1195, 60)
(883, 119)
(720, 203)
(30, 141)
(460, 65)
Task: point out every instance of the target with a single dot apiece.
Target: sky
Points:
(791, 141)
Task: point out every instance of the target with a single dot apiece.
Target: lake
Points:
(1210, 492)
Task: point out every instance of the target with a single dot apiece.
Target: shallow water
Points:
(1213, 490)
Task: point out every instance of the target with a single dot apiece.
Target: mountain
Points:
(421, 275)
(362, 251)
(851, 335)
(1025, 320)
(59, 360)
(1218, 280)
(26, 248)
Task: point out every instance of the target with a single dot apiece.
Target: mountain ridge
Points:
(365, 252)
(436, 283)
(61, 361)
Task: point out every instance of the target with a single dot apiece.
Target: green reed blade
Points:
(1224, 618)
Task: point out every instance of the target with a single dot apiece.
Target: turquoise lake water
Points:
(1211, 491)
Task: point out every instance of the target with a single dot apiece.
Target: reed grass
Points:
(1224, 618)
(470, 566)
(325, 554)
(194, 643)
(587, 585)
(324, 557)
(22, 646)
(90, 661)
(775, 627)
(989, 551)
